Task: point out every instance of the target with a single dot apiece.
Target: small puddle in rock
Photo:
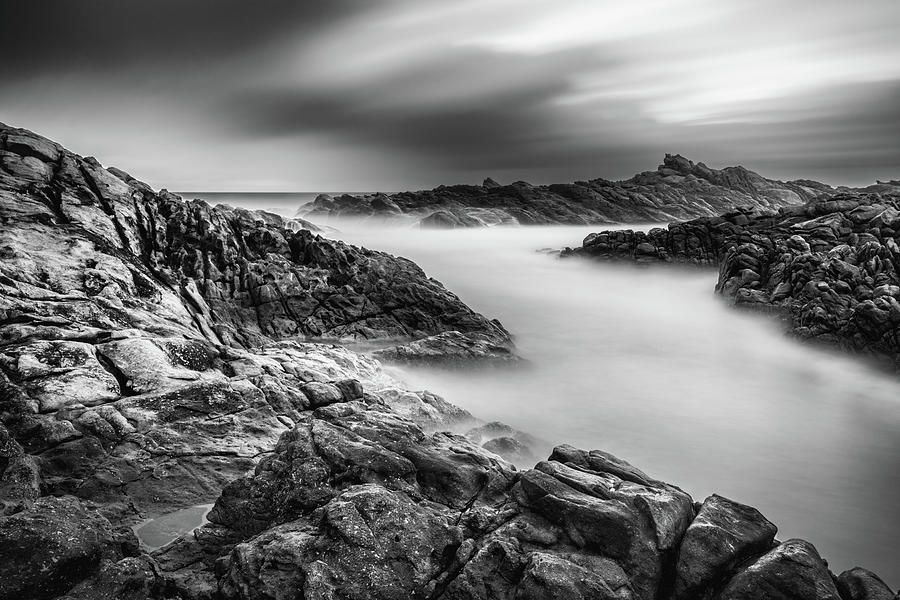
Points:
(156, 533)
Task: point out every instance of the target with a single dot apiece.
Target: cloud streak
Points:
(403, 94)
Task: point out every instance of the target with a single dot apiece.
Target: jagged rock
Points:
(791, 571)
(678, 190)
(60, 373)
(371, 543)
(127, 579)
(723, 535)
(187, 566)
(862, 584)
(451, 348)
(322, 394)
(19, 476)
(637, 524)
(127, 316)
(150, 365)
(428, 411)
(510, 449)
(556, 578)
(830, 266)
(48, 548)
(515, 446)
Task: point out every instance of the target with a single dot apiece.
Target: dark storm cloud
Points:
(60, 36)
(840, 134)
(503, 117)
(480, 126)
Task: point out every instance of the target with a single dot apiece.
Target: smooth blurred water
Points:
(647, 363)
(156, 533)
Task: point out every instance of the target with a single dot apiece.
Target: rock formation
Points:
(149, 361)
(679, 189)
(830, 266)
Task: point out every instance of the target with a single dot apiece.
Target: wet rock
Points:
(322, 394)
(793, 570)
(59, 373)
(723, 535)
(141, 367)
(515, 446)
(452, 348)
(127, 579)
(48, 548)
(20, 483)
(862, 584)
(510, 449)
(554, 577)
(428, 411)
(372, 543)
(822, 264)
(636, 524)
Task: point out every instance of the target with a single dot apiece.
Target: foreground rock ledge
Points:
(359, 502)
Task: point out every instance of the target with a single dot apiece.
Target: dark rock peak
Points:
(490, 183)
(678, 163)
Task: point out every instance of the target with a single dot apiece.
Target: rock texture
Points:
(140, 370)
(679, 189)
(143, 370)
(357, 502)
(830, 266)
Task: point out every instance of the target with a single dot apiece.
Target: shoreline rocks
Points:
(829, 266)
(140, 367)
(144, 368)
(678, 189)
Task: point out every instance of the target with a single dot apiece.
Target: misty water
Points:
(649, 364)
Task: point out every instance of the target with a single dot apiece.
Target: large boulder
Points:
(723, 535)
(862, 584)
(791, 571)
(50, 547)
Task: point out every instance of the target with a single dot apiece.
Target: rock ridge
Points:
(678, 189)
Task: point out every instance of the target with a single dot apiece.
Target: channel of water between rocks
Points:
(647, 363)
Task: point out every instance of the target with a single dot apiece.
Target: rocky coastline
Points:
(677, 190)
(829, 266)
(155, 354)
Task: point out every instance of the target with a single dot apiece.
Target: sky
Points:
(365, 95)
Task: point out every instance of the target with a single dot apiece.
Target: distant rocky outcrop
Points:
(143, 370)
(830, 265)
(679, 189)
